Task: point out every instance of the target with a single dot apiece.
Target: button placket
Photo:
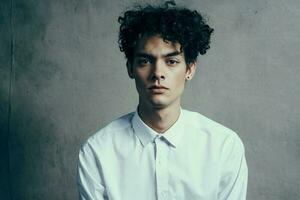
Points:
(161, 168)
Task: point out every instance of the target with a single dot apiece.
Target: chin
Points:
(158, 103)
(158, 106)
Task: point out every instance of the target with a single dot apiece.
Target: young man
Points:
(162, 151)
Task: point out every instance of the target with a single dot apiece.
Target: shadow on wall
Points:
(36, 163)
(5, 60)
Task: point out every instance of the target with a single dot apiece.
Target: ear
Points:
(129, 69)
(190, 71)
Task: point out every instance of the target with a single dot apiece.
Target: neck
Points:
(159, 119)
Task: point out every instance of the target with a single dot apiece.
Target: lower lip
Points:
(158, 90)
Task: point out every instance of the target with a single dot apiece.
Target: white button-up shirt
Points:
(195, 159)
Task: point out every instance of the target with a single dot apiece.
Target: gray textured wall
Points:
(5, 66)
(63, 77)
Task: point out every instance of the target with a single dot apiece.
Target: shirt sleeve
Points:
(89, 181)
(234, 172)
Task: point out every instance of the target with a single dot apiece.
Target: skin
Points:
(159, 63)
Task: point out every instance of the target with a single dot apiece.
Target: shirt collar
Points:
(147, 134)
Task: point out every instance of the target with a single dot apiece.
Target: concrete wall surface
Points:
(62, 78)
(5, 71)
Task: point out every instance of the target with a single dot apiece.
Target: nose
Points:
(158, 71)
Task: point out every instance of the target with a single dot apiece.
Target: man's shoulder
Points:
(114, 129)
(209, 127)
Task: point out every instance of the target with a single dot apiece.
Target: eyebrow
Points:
(145, 55)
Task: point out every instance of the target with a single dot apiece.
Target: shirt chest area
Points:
(159, 170)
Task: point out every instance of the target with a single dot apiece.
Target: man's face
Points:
(160, 72)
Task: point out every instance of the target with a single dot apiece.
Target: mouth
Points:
(157, 89)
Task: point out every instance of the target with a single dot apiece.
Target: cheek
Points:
(180, 79)
(141, 74)
(140, 81)
(140, 78)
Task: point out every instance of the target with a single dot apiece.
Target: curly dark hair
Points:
(172, 23)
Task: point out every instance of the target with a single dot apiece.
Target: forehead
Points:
(156, 46)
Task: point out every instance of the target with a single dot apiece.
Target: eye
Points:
(172, 62)
(143, 61)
